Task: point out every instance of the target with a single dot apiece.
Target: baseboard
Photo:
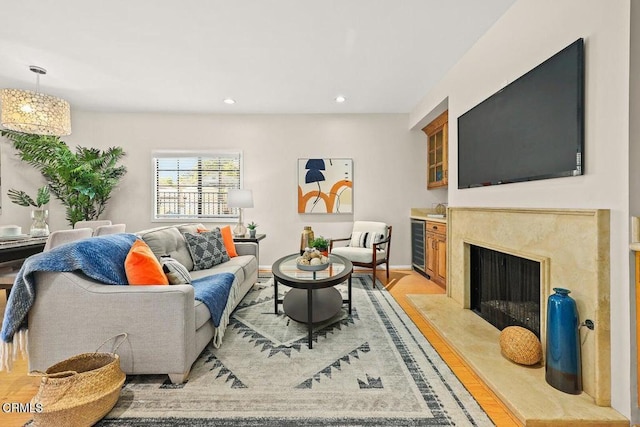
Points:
(400, 267)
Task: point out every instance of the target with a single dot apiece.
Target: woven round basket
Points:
(78, 391)
(520, 345)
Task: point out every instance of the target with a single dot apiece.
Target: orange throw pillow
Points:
(142, 267)
(227, 238)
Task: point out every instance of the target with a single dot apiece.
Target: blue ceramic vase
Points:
(563, 368)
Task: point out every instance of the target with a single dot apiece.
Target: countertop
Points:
(427, 218)
(423, 214)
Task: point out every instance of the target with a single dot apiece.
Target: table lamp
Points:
(240, 199)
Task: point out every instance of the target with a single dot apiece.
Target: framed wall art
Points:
(325, 186)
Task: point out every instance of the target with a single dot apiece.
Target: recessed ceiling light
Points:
(229, 101)
(340, 99)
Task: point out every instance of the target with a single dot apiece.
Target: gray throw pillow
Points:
(176, 273)
(207, 249)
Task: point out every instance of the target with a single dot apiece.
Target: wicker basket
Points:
(78, 391)
(520, 345)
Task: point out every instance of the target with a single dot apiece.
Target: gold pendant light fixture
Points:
(35, 112)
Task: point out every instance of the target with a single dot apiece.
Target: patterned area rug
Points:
(370, 368)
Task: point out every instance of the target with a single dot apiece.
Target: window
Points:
(191, 185)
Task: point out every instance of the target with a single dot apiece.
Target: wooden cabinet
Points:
(436, 252)
(437, 151)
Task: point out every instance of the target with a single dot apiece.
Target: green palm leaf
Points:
(20, 198)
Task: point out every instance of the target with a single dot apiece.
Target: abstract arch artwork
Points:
(325, 186)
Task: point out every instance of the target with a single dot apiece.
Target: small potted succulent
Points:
(321, 244)
(252, 229)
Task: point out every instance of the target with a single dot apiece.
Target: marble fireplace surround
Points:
(572, 247)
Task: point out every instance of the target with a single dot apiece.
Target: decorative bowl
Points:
(10, 230)
(312, 267)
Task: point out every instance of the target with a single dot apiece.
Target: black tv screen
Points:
(531, 129)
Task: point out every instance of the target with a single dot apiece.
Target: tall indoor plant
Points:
(81, 180)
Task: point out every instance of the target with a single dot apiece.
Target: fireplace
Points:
(505, 289)
(569, 248)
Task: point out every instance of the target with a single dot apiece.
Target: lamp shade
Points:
(240, 199)
(34, 112)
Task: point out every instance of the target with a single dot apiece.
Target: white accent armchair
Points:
(369, 246)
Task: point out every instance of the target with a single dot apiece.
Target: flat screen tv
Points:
(531, 129)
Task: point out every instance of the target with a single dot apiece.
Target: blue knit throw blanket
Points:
(213, 291)
(101, 258)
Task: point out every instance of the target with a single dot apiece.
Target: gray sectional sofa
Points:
(167, 328)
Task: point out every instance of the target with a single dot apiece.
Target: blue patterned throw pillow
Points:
(207, 249)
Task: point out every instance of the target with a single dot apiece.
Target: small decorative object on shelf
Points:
(312, 260)
(39, 227)
(306, 238)
(252, 229)
(563, 365)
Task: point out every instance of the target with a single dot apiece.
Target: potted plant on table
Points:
(252, 229)
(39, 227)
(321, 244)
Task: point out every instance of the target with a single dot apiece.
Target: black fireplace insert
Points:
(505, 289)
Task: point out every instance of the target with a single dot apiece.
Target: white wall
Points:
(530, 32)
(389, 169)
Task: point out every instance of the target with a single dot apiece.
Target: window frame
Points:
(174, 154)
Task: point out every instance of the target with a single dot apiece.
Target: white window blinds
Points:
(195, 185)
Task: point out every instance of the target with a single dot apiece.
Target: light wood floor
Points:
(17, 386)
(402, 283)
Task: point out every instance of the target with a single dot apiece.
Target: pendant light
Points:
(35, 112)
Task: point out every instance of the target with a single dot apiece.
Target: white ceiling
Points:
(271, 56)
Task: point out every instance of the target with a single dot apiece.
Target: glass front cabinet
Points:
(437, 151)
